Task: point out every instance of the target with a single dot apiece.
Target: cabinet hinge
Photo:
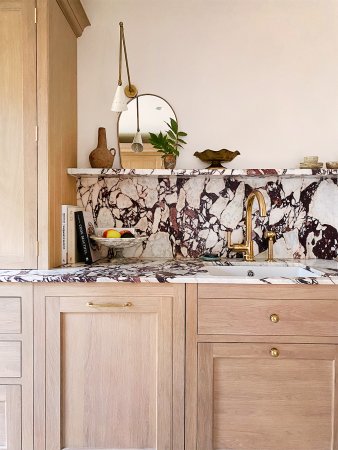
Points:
(36, 133)
(35, 16)
(37, 248)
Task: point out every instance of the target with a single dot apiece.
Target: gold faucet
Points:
(247, 247)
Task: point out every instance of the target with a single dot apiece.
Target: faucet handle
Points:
(229, 243)
(271, 235)
(235, 247)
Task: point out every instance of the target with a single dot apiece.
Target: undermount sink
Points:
(265, 271)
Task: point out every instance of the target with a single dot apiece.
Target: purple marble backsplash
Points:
(184, 217)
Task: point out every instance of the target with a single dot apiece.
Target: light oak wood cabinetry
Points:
(16, 367)
(59, 24)
(18, 147)
(261, 367)
(110, 372)
(38, 126)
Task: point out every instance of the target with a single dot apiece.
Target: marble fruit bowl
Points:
(117, 243)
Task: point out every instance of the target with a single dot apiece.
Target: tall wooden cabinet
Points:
(59, 24)
(113, 365)
(38, 126)
(18, 146)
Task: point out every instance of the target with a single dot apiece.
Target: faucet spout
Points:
(247, 247)
(249, 255)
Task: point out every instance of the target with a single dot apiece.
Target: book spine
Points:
(64, 233)
(82, 238)
(71, 238)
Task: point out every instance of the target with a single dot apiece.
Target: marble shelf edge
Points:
(290, 173)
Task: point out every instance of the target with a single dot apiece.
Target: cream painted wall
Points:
(259, 76)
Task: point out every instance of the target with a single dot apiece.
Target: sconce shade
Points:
(120, 100)
(137, 145)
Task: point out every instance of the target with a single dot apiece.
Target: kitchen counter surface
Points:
(166, 270)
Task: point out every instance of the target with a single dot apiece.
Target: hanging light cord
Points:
(123, 42)
(138, 116)
(120, 55)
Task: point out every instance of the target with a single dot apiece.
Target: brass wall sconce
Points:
(130, 91)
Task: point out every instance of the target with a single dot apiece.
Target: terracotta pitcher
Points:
(102, 157)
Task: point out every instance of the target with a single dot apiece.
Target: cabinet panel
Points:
(10, 417)
(18, 153)
(248, 399)
(268, 317)
(10, 359)
(108, 373)
(10, 314)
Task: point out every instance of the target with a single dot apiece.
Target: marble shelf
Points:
(290, 173)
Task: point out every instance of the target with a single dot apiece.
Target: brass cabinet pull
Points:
(274, 318)
(274, 352)
(109, 305)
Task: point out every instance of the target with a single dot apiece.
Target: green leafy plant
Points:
(169, 143)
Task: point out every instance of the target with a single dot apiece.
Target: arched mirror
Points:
(148, 113)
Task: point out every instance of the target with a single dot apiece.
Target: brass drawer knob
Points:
(274, 352)
(274, 318)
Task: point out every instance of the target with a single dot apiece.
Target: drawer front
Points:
(10, 315)
(268, 317)
(10, 359)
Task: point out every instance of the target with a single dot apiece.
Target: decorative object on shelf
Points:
(215, 158)
(169, 161)
(332, 165)
(169, 144)
(130, 91)
(137, 145)
(102, 157)
(311, 162)
(154, 112)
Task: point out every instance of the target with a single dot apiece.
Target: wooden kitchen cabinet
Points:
(248, 389)
(18, 147)
(38, 126)
(113, 365)
(16, 367)
(249, 399)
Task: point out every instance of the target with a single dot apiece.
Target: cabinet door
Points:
(18, 153)
(16, 366)
(250, 398)
(10, 417)
(108, 373)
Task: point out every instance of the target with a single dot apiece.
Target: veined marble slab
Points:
(164, 271)
(184, 217)
(88, 172)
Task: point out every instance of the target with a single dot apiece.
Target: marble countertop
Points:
(165, 271)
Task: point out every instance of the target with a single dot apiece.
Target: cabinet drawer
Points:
(10, 315)
(10, 359)
(268, 317)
